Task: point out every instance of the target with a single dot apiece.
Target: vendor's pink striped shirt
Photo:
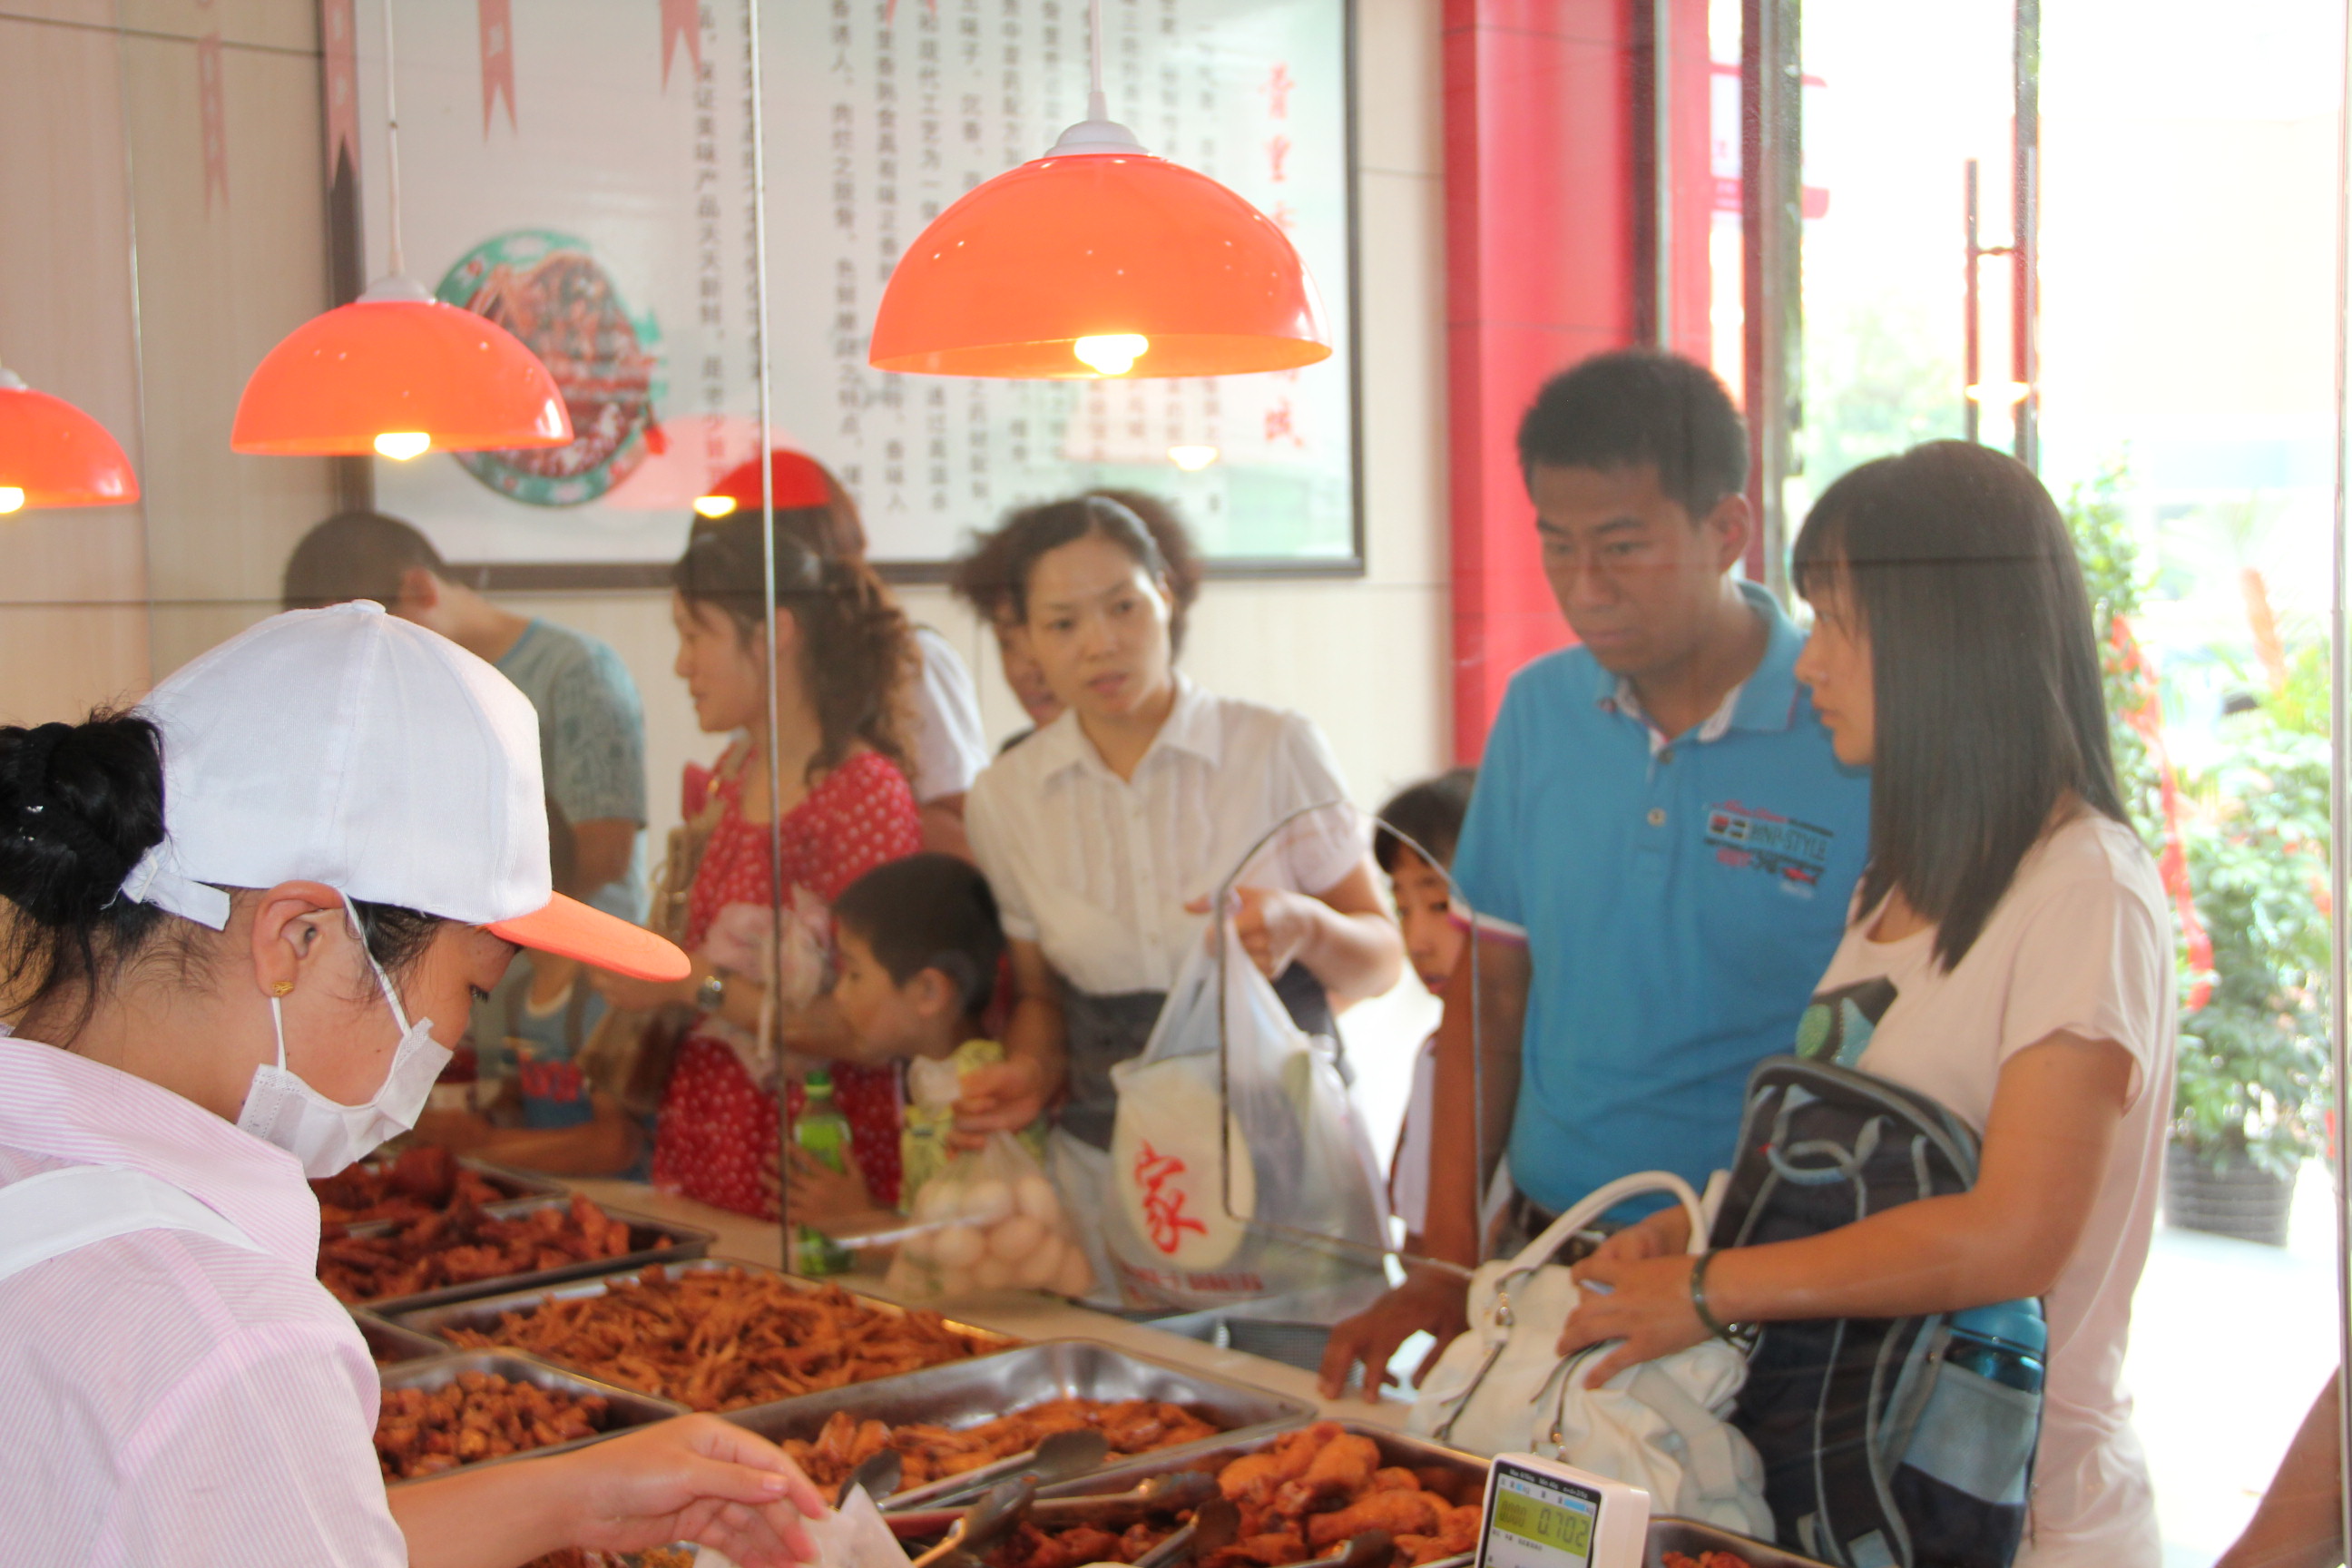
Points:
(169, 1398)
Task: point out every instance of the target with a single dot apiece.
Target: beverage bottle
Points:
(823, 1131)
(2005, 1342)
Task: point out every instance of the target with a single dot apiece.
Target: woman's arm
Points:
(2055, 1109)
(1343, 934)
(694, 1478)
(604, 1145)
(1009, 1095)
(2300, 1523)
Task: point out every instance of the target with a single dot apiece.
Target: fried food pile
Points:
(1300, 1497)
(461, 1245)
(933, 1453)
(476, 1416)
(1703, 1559)
(724, 1339)
(425, 1180)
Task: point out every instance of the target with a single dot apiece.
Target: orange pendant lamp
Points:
(1098, 259)
(397, 371)
(52, 454)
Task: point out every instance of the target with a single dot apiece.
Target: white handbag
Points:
(1502, 1386)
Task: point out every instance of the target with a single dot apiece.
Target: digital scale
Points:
(1543, 1514)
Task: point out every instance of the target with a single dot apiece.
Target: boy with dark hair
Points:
(1660, 848)
(1412, 841)
(917, 945)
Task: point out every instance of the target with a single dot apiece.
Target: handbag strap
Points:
(1599, 1202)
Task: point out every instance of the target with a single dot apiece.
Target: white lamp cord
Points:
(392, 144)
(1098, 106)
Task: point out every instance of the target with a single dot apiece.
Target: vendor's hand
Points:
(1646, 1303)
(629, 994)
(821, 1196)
(1430, 1301)
(1001, 1097)
(1274, 925)
(696, 1479)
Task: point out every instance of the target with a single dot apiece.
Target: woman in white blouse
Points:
(1105, 833)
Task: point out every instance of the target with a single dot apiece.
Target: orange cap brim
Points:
(570, 929)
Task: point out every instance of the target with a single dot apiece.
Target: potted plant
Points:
(2253, 1058)
(2245, 846)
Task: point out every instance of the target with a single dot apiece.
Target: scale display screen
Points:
(1540, 1521)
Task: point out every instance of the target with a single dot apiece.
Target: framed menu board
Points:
(582, 171)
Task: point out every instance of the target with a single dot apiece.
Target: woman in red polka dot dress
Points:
(842, 658)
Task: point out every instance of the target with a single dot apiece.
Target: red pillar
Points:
(1541, 272)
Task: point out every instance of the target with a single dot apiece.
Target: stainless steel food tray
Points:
(651, 1241)
(967, 1393)
(389, 1345)
(482, 1313)
(625, 1407)
(1396, 1448)
(1687, 1535)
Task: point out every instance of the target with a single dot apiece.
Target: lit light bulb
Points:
(715, 507)
(1114, 354)
(401, 445)
(1192, 459)
(12, 498)
(1999, 391)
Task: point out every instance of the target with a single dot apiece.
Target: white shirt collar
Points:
(1713, 729)
(1190, 726)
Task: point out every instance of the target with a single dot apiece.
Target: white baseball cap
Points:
(349, 747)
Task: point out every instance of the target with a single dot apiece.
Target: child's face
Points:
(888, 1019)
(1424, 909)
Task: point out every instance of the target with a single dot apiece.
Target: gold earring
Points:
(283, 988)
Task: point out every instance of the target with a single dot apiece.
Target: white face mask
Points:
(280, 1109)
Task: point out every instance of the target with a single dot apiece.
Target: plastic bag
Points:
(992, 1222)
(1298, 1166)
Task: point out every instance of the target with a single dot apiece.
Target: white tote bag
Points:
(1502, 1386)
(1298, 1165)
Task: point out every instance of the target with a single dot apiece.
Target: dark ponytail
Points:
(859, 653)
(79, 803)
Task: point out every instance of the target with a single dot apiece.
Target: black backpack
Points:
(1886, 1442)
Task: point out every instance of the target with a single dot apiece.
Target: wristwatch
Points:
(711, 994)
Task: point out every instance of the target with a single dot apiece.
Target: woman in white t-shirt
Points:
(2009, 953)
(1105, 834)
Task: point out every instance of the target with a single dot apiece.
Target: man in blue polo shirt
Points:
(1660, 848)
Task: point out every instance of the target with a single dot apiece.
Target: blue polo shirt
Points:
(1679, 899)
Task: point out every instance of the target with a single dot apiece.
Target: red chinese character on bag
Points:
(1164, 1211)
(1278, 426)
(1276, 152)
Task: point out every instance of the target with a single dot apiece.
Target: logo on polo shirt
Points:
(1794, 854)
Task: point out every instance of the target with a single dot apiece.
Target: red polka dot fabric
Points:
(718, 1128)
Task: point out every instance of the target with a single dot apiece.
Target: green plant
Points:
(2254, 1059)
(2248, 839)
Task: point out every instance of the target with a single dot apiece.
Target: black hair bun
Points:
(79, 805)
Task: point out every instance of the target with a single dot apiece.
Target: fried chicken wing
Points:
(1341, 1470)
(1398, 1512)
(1256, 1478)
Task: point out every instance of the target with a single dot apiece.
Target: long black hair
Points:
(860, 652)
(79, 805)
(1988, 711)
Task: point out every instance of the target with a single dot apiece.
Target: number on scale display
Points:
(1539, 1523)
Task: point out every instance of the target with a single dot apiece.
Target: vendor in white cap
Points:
(247, 919)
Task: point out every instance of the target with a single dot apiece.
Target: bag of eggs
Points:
(991, 1221)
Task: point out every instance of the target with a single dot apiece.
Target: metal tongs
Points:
(980, 1527)
(1058, 1457)
(1213, 1528)
(1176, 1492)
